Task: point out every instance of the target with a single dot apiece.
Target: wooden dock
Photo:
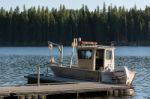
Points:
(44, 91)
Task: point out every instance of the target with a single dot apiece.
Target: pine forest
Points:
(37, 25)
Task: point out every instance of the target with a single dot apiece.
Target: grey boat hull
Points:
(118, 77)
(76, 73)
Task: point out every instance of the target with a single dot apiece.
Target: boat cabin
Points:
(95, 57)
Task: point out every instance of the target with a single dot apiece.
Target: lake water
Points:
(16, 62)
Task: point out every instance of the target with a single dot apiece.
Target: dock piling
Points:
(1, 97)
(42, 96)
(110, 93)
(21, 97)
(121, 92)
(38, 76)
(28, 97)
(34, 96)
(115, 93)
(77, 95)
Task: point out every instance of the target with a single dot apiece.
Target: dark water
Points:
(16, 62)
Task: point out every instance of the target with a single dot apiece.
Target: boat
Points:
(95, 63)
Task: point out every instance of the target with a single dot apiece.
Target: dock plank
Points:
(59, 88)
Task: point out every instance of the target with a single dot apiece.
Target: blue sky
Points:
(73, 4)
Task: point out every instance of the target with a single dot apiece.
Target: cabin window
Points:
(108, 54)
(84, 54)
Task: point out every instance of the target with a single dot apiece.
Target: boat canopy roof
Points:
(95, 47)
(92, 45)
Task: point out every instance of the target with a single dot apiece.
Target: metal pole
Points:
(61, 55)
(72, 57)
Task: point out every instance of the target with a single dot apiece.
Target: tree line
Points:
(36, 26)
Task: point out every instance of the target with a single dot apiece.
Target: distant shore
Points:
(46, 44)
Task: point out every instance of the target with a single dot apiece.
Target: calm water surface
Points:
(16, 62)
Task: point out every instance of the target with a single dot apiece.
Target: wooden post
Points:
(77, 95)
(115, 92)
(34, 96)
(38, 77)
(28, 97)
(121, 93)
(110, 92)
(1, 97)
(42, 96)
(21, 97)
(124, 92)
